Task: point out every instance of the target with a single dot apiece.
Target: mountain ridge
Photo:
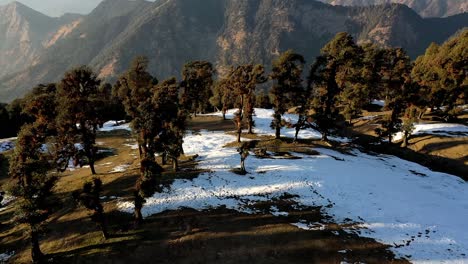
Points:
(225, 32)
(25, 33)
(426, 8)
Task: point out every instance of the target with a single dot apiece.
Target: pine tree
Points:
(136, 88)
(89, 197)
(243, 81)
(347, 58)
(286, 74)
(372, 61)
(30, 166)
(324, 95)
(398, 88)
(197, 79)
(442, 74)
(223, 96)
(78, 116)
(173, 118)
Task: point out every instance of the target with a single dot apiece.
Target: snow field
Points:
(421, 213)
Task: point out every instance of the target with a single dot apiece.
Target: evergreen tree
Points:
(32, 183)
(196, 86)
(243, 80)
(136, 88)
(263, 100)
(89, 197)
(111, 108)
(442, 74)
(223, 96)
(324, 95)
(350, 74)
(173, 118)
(286, 74)
(372, 61)
(78, 116)
(398, 89)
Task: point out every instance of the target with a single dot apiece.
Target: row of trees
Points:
(62, 119)
(344, 79)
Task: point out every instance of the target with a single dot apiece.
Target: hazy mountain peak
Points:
(426, 8)
(225, 32)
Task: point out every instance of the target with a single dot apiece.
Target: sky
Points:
(59, 7)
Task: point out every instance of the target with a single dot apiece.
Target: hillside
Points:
(426, 8)
(300, 202)
(25, 33)
(172, 32)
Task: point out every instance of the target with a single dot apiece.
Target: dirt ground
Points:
(188, 236)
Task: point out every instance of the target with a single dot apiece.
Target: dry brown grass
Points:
(188, 236)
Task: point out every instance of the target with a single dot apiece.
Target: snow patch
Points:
(7, 144)
(4, 257)
(439, 129)
(120, 168)
(424, 217)
(115, 125)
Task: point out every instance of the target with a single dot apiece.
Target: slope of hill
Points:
(24, 33)
(172, 32)
(426, 8)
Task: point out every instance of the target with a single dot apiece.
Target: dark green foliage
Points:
(398, 89)
(12, 117)
(173, 118)
(41, 106)
(286, 74)
(111, 108)
(89, 197)
(32, 184)
(324, 95)
(78, 116)
(137, 90)
(197, 79)
(223, 97)
(442, 74)
(263, 100)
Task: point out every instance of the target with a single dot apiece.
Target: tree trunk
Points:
(224, 114)
(390, 137)
(421, 114)
(250, 121)
(91, 165)
(298, 128)
(138, 206)
(239, 132)
(140, 151)
(164, 159)
(324, 136)
(405, 139)
(278, 126)
(105, 234)
(278, 132)
(175, 164)
(36, 254)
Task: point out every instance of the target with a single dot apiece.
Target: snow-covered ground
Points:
(115, 125)
(263, 119)
(7, 144)
(421, 213)
(4, 257)
(438, 129)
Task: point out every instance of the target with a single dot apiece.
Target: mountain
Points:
(225, 32)
(426, 8)
(24, 33)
